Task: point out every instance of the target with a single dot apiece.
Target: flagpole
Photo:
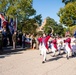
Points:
(16, 23)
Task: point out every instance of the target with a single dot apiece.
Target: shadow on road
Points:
(54, 58)
(8, 52)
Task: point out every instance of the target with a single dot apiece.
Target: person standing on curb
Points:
(1, 44)
(14, 40)
(23, 40)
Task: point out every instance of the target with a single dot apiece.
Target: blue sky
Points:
(48, 8)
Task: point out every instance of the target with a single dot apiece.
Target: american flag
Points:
(3, 21)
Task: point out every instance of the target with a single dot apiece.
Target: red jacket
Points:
(55, 43)
(44, 40)
(68, 40)
(40, 40)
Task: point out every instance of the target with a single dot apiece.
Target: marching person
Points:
(68, 49)
(54, 45)
(59, 44)
(44, 45)
(40, 41)
(73, 45)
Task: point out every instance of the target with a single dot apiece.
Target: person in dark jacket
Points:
(20, 38)
(1, 42)
(33, 43)
(23, 40)
(4, 33)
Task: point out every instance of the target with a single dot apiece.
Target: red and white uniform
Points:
(40, 40)
(59, 45)
(44, 46)
(68, 45)
(73, 44)
(54, 45)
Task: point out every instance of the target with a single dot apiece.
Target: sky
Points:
(48, 8)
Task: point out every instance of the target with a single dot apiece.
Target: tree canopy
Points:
(23, 10)
(57, 28)
(67, 14)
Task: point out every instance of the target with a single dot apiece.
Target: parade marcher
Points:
(63, 45)
(68, 46)
(40, 41)
(54, 45)
(23, 40)
(14, 40)
(73, 45)
(44, 46)
(59, 44)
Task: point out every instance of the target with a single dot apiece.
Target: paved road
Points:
(29, 62)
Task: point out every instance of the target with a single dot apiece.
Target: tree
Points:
(23, 10)
(58, 28)
(20, 8)
(68, 14)
(31, 25)
(49, 23)
(72, 29)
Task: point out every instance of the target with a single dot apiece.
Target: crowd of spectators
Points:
(17, 39)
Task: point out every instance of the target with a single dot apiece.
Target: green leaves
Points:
(23, 10)
(68, 14)
(58, 28)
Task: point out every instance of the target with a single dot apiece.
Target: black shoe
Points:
(73, 55)
(59, 54)
(47, 53)
(67, 57)
(40, 54)
(43, 61)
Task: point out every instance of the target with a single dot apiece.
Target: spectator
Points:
(28, 41)
(4, 33)
(23, 40)
(1, 41)
(14, 40)
(20, 38)
(33, 43)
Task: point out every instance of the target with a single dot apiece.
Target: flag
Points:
(15, 25)
(3, 21)
(11, 22)
(2, 17)
(11, 26)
